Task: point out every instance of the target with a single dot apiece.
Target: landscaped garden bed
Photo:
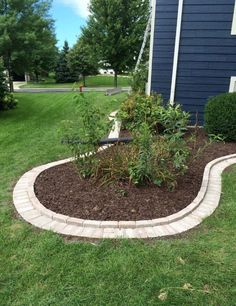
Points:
(61, 189)
(121, 183)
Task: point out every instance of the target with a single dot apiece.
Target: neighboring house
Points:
(193, 51)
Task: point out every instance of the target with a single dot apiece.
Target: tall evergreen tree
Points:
(115, 31)
(63, 72)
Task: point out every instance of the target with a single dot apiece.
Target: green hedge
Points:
(220, 116)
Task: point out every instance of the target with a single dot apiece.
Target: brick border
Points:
(206, 202)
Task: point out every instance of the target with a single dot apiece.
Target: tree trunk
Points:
(84, 80)
(11, 85)
(116, 80)
(10, 76)
(37, 76)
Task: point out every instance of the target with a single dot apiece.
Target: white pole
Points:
(176, 52)
(149, 84)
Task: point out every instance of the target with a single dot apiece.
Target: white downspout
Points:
(176, 52)
(148, 91)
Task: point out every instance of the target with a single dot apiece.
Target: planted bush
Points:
(152, 158)
(149, 160)
(220, 116)
(151, 109)
(160, 158)
(138, 109)
(7, 100)
(141, 167)
(84, 134)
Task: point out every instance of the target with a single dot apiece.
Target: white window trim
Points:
(233, 30)
(232, 87)
(149, 84)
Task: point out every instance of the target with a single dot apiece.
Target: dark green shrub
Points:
(220, 116)
(7, 100)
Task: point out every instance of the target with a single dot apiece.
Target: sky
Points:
(69, 16)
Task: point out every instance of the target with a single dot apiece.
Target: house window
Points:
(233, 31)
(232, 87)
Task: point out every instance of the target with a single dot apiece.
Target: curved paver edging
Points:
(207, 200)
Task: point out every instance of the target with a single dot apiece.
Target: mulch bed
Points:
(61, 190)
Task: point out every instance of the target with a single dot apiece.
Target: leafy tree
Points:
(45, 53)
(63, 72)
(115, 31)
(7, 100)
(24, 24)
(82, 61)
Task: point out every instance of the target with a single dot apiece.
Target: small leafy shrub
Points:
(216, 138)
(140, 168)
(148, 160)
(138, 109)
(174, 119)
(160, 159)
(150, 109)
(220, 116)
(84, 134)
(161, 153)
(7, 100)
(114, 166)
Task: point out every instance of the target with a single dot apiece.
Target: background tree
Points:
(23, 24)
(81, 60)
(63, 72)
(45, 52)
(115, 31)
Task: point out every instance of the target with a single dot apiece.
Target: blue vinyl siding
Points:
(164, 44)
(207, 57)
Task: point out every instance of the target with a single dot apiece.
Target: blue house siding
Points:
(207, 54)
(164, 44)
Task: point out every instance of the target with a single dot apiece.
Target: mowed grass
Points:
(91, 81)
(42, 268)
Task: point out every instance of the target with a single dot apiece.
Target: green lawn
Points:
(91, 81)
(42, 268)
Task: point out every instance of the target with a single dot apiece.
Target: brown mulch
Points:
(61, 190)
(125, 133)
